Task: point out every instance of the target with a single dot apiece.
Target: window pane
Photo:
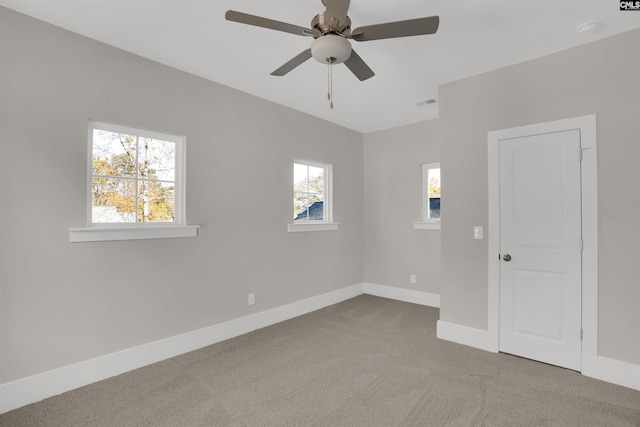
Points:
(113, 200)
(316, 208)
(434, 193)
(434, 208)
(300, 203)
(156, 202)
(157, 159)
(114, 154)
(316, 180)
(300, 177)
(312, 210)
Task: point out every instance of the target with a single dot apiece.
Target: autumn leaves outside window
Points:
(133, 176)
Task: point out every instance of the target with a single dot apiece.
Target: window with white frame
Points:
(135, 187)
(430, 197)
(312, 201)
(135, 176)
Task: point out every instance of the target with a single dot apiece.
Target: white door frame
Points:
(589, 180)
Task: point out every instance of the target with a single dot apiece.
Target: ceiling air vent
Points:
(425, 102)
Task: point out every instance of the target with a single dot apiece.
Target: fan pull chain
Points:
(330, 85)
(329, 81)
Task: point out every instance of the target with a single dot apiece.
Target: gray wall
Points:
(600, 78)
(63, 303)
(393, 249)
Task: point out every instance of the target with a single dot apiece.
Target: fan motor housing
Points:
(325, 25)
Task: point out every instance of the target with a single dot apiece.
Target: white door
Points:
(541, 248)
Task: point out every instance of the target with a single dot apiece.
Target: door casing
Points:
(587, 127)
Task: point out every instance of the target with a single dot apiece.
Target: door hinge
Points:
(582, 150)
(580, 156)
(581, 334)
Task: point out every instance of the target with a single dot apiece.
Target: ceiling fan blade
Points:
(292, 63)
(358, 66)
(259, 21)
(411, 27)
(337, 9)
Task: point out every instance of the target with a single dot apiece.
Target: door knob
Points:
(506, 257)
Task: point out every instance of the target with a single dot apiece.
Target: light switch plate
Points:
(478, 232)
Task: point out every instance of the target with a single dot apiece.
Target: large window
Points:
(312, 204)
(430, 197)
(135, 186)
(134, 176)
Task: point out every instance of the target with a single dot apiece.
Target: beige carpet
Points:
(365, 362)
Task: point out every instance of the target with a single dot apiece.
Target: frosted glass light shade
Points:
(331, 49)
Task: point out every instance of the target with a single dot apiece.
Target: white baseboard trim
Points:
(602, 368)
(612, 371)
(41, 386)
(460, 334)
(401, 294)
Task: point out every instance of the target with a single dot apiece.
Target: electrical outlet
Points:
(252, 299)
(412, 279)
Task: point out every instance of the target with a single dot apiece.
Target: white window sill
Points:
(104, 234)
(307, 226)
(421, 225)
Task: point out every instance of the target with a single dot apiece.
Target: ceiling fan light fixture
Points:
(331, 49)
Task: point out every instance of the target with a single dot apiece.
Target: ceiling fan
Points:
(331, 30)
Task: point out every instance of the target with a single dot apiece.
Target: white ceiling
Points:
(475, 36)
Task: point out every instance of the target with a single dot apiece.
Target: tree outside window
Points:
(310, 192)
(133, 178)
